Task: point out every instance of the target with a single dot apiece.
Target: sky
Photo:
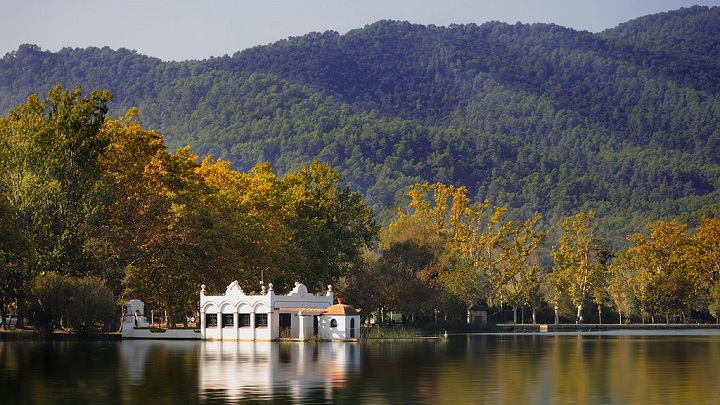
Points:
(198, 29)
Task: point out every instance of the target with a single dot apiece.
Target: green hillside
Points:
(533, 117)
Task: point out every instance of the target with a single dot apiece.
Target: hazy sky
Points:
(195, 29)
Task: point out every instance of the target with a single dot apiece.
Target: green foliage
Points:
(537, 117)
(84, 304)
(50, 163)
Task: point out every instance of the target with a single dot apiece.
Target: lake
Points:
(672, 367)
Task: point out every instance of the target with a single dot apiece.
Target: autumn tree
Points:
(670, 276)
(473, 234)
(411, 263)
(252, 234)
(521, 275)
(707, 238)
(579, 260)
(620, 287)
(158, 231)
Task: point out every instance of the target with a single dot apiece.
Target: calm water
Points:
(610, 368)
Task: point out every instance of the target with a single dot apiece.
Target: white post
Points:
(236, 325)
(252, 324)
(301, 326)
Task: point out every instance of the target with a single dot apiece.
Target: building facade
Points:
(299, 315)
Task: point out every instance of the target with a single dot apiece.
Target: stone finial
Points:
(270, 287)
(202, 288)
(330, 287)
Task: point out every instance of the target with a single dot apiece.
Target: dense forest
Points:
(541, 120)
(533, 117)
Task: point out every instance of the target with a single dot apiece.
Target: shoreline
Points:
(32, 335)
(541, 328)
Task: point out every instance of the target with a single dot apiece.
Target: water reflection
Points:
(250, 370)
(579, 368)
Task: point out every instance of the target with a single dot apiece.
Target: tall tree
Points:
(252, 234)
(49, 164)
(50, 167)
(522, 286)
(332, 226)
(15, 257)
(620, 287)
(474, 235)
(579, 264)
(670, 277)
(707, 239)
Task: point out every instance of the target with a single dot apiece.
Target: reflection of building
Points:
(243, 370)
(136, 355)
(297, 315)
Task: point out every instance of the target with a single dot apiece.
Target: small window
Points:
(244, 320)
(261, 320)
(211, 320)
(227, 320)
(333, 323)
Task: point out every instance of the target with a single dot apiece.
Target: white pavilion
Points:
(299, 315)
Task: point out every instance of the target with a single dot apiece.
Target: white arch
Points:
(244, 307)
(261, 308)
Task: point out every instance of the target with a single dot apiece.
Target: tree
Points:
(578, 269)
(331, 226)
(523, 277)
(707, 238)
(171, 232)
(670, 276)
(252, 233)
(54, 148)
(83, 304)
(50, 153)
(15, 257)
(409, 268)
(620, 287)
(473, 234)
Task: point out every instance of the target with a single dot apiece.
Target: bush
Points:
(85, 304)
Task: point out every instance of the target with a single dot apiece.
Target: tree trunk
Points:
(579, 314)
(170, 319)
(515, 314)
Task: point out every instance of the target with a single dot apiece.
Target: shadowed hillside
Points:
(533, 117)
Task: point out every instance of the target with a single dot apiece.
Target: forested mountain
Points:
(532, 117)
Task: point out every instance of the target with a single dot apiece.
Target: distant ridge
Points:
(533, 117)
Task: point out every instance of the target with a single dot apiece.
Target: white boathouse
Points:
(298, 315)
(236, 316)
